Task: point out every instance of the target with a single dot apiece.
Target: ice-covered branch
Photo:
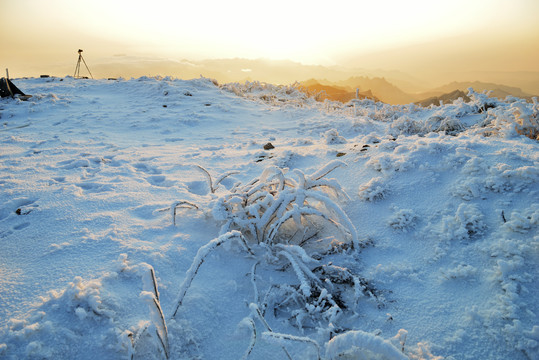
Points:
(197, 262)
(249, 323)
(177, 204)
(279, 337)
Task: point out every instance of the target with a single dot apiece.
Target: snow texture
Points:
(362, 221)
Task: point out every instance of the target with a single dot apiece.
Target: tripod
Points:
(77, 68)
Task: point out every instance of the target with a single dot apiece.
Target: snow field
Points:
(442, 201)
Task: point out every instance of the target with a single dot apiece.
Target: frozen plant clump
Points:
(467, 222)
(269, 93)
(447, 124)
(282, 220)
(525, 221)
(86, 310)
(332, 137)
(402, 219)
(405, 125)
(527, 118)
(460, 271)
(502, 178)
(374, 190)
(468, 189)
(278, 208)
(387, 163)
(481, 101)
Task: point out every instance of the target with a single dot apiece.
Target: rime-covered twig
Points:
(135, 339)
(329, 167)
(295, 213)
(163, 334)
(351, 228)
(271, 213)
(330, 184)
(197, 262)
(158, 320)
(222, 177)
(301, 257)
(401, 337)
(154, 283)
(243, 243)
(177, 204)
(256, 311)
(279, 336)
(248, 322)
(213, 186)
(273, 172)
(150, 295)
(253, 281)
(264, 304)
(208, 177)
(305, 287)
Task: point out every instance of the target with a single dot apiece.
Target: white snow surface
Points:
(444, 201)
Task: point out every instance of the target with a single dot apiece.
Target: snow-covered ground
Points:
(130, 226)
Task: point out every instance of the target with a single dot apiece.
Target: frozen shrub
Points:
(514, 256)
(402, 219)
(378, 110)
(375, 189)
(503, 177)
(282, 220)
(481, 101)
(405, 125)
(460, 271)
(273, 207)
(449, 125)
(468, 189)
(467, 222)
(268, 93)
(388, 162)
(525, 221)
(474, 166)
(332, 137)
(527, 118)
(512, 118)
(470, 220)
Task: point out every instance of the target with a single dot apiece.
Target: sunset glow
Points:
(403, 35)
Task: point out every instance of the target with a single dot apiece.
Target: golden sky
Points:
(409, 35)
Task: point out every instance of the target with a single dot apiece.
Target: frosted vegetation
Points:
(150, 219)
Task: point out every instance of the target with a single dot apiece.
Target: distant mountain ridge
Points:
(444, 98)
(335, 93)
(498, 90)
(381, 89)
(389, 86)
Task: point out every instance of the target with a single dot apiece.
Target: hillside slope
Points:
(163, 218)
